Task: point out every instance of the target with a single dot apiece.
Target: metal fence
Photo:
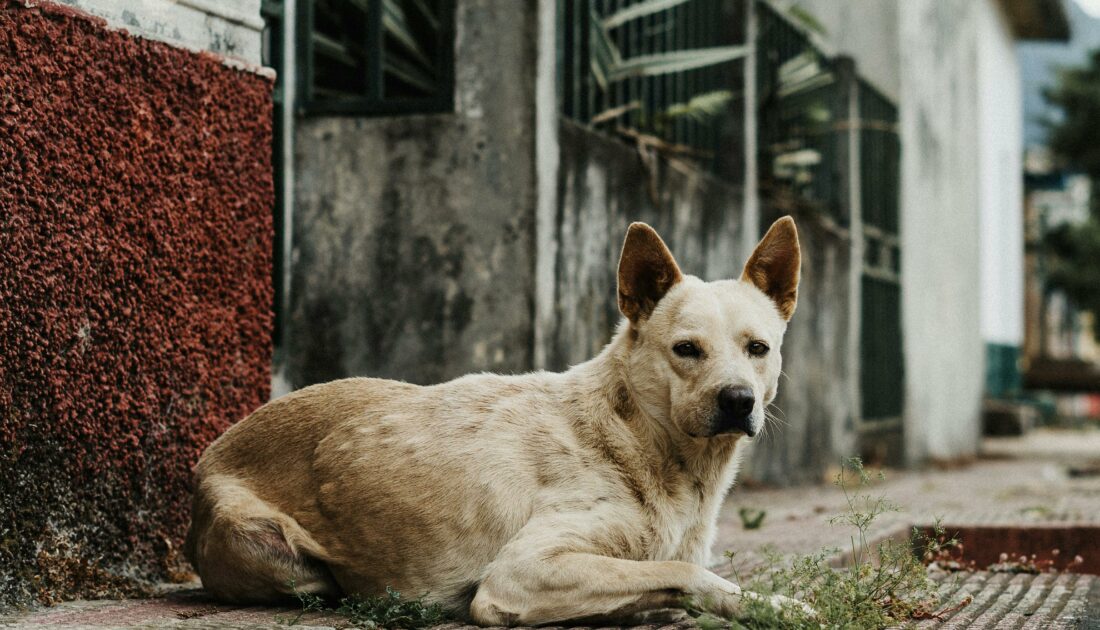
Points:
(593, 32)
(802, 107)
(814, 111)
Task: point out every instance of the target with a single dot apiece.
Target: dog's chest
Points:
(680, 526)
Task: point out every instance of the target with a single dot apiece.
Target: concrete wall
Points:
(940, 228)
(230, 28)
(1001, 195)
(413, 254)
(602, 189)
(816, 405)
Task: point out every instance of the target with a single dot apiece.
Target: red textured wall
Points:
(135, 291)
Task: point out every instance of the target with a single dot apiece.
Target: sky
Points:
(1039, 62)
(1092, 7)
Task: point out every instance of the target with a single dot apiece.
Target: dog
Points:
(587, 496)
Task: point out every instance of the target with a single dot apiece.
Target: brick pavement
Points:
(1042, 480)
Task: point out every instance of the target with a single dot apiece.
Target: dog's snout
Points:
(735, 405)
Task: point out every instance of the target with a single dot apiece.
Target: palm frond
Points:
(635, 11)
(701, 106)
(675, 61)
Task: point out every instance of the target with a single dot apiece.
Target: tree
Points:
(1073, 251)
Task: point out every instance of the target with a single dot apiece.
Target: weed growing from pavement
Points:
(884, 584)
(379, 611)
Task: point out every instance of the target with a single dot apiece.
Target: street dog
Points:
(584, 496)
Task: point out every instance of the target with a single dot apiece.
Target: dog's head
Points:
(704, 356)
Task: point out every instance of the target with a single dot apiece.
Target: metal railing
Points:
(814, 111)
(623, 65)
(802, 107)
(375, 56)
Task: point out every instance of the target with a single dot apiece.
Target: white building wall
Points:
(866, 31)
(940, 225)
(1000, 136)
(230, 28)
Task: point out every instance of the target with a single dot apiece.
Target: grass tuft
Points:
(883, 584)
(377, 611)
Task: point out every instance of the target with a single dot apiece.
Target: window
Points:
(375, 56)
(668, 69)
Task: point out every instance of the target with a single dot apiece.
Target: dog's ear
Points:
(647, 271)
(774, 266)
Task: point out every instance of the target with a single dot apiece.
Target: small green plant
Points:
(883, 583)
(750, 518)
(376, 611)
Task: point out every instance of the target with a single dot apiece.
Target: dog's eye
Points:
(758, 348)
(687, 350)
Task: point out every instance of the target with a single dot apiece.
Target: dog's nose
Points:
(736, 404)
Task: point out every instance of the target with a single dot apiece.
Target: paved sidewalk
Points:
(1045, 481)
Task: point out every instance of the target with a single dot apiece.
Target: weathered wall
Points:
(602, 189)
(135, 291)
(940, 266)
(230, 28)
(413, 236)
(1001, 192)
(815, 409)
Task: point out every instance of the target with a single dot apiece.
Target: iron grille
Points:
(603, 46)
(881, 362)
(878, 159)
(375, 56)
(802, 110)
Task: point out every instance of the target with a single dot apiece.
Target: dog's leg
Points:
(536, 590)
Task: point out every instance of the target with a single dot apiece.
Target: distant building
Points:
(1061, 355)
(953, 69)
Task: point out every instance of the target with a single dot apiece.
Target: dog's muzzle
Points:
(735, 405)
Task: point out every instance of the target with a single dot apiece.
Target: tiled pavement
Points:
(1045, 480)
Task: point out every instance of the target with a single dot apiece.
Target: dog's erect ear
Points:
(647, 271)
(774, 266)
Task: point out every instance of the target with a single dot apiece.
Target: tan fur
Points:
(542, 498)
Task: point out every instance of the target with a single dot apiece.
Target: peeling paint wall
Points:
(413, 253)
(135, 293)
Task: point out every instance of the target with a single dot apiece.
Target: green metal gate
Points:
(881, 364)
(829, 139)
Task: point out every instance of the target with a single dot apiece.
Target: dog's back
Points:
(246, 540)
(361, 484)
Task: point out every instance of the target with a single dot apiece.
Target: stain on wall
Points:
(413, 252)
(602, 188)
(815, 410)
(135, 292)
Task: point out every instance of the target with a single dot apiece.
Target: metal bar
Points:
(586, 60)
(375, 50)
(567, 26)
